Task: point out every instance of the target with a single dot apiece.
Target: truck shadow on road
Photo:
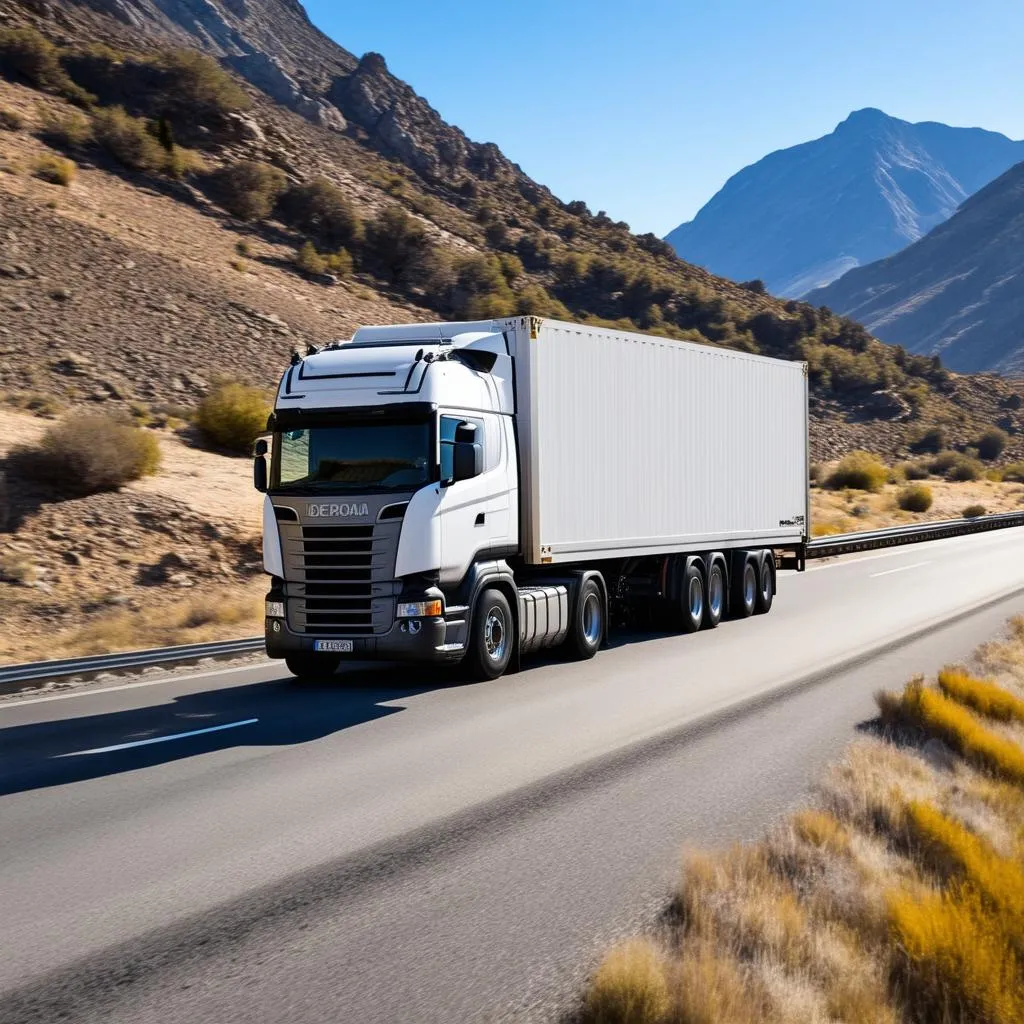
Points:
(278, 713)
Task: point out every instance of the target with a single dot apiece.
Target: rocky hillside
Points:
(958, 292)
(170, 218)
(802, 217)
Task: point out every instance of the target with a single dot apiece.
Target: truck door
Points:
(470, 510)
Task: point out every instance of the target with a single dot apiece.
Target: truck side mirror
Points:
(467, 454)
(468, 460)
(259, 466)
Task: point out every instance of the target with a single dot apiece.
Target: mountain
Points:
(197, 187)
(801, 217)
(958, 292)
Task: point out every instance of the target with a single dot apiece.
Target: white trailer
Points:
(473, 491)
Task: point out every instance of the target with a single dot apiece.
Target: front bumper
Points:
(403, 642)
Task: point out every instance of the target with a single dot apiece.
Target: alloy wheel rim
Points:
(495, 634)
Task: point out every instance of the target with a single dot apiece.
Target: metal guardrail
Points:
(872, 540)
(15, 676)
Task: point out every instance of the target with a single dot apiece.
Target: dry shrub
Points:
(984, 697)
(128, 140)
(860, 470)
(56, 169)
(308, 261)
(974, 511)
(68, 131)
(27, 53)
(233, 415)
(320, 209)
(957, 467)
(952, 961)
(10, 120)
(89, 452)
(914, 498)
(629, 986)
(197, 83)
(928, 710)
(913, 471)
(709, 986)
(249, 189)
(1014, 473)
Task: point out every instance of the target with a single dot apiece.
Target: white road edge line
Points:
(159, 739)
(902, 568)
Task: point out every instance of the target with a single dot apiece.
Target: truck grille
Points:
(338, 566)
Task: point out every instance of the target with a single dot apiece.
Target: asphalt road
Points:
(402, 849)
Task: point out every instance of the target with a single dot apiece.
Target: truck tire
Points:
(765, 585)
(714, 603)
(308, 666)
(692, 599)
(491, 640)
(587, 626)
(744, 598)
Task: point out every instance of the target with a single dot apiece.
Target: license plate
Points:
(338, 646)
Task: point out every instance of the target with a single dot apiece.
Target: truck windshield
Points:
(356, 457)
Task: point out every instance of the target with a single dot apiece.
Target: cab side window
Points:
(449, 424)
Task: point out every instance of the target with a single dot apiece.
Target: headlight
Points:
(420, 609)
(275, 609)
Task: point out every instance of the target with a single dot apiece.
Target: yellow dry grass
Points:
(981, 696)
(938, 716)
(193, 620)
(897, 897)
(629, 987)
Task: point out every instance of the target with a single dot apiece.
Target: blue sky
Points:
(644, 109)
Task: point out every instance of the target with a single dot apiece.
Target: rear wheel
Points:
(307, 666)
(691, 612)
(766, 585)
(586, 630)
(745, 590)
(715, 603)
(490, 644)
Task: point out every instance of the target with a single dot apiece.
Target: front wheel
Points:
(307, 666)
(490, 644)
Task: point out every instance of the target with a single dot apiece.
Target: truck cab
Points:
(391, 494)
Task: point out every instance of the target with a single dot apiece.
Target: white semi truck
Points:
(471, 492)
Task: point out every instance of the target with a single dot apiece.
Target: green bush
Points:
(320, 209)
(992, 444)
(233, 415)
(932, 440)
(128, 140)
(860, 470)
(974, 511)
(89, 452)
(249, 189)
(1014, 473)
(56, 169)
(915, 498)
